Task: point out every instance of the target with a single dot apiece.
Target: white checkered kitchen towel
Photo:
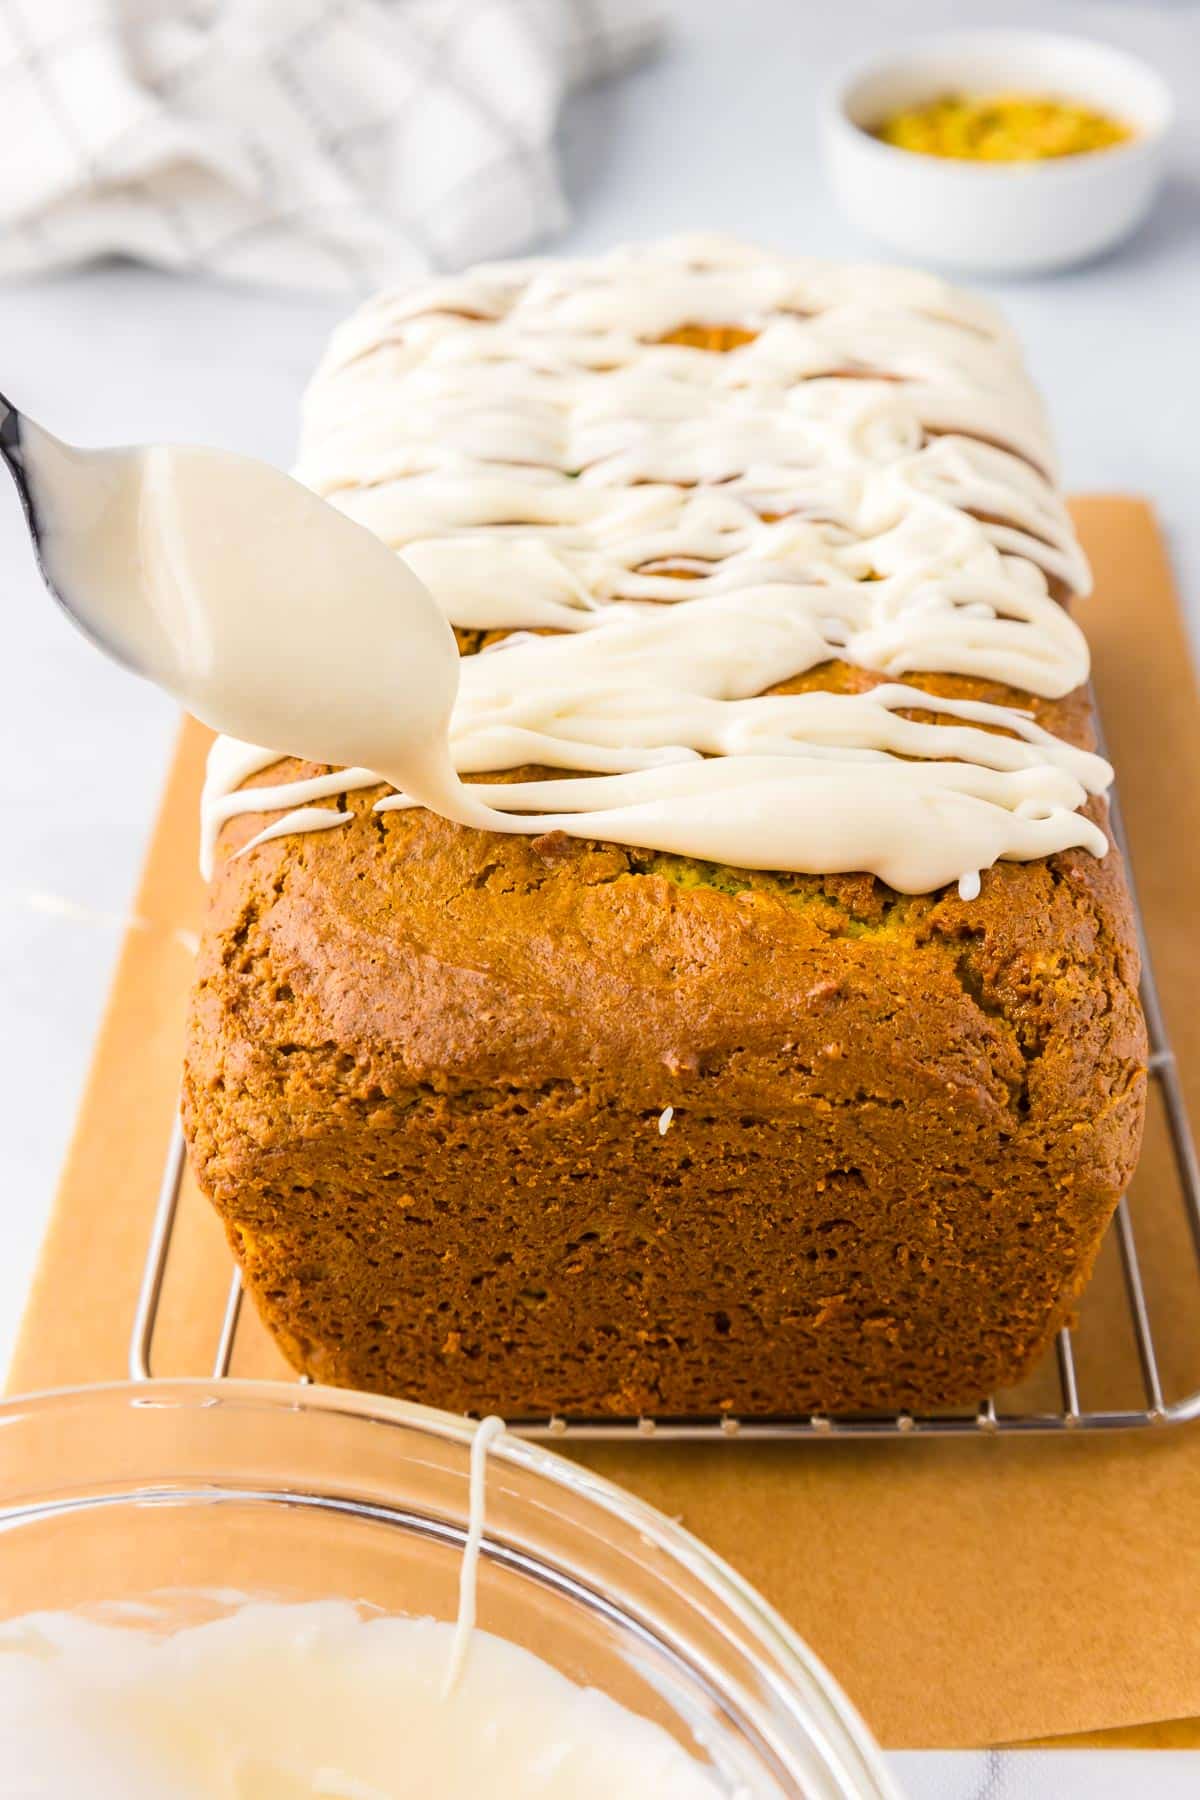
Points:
(313, 143)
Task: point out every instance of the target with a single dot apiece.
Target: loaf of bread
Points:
(544, 1124)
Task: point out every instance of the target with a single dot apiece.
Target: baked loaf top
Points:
(843, 472)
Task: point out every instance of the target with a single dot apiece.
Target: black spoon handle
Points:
(19, 434)
(12, 451)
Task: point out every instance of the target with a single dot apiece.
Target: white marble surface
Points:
(718, 131)
(1048, 1774)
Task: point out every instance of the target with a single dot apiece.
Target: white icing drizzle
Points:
(486, 1433)
(867, 479)
(301, 818)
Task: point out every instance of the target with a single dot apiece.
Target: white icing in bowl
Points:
(189, 1495)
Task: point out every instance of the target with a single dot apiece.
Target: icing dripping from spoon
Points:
(267, 614)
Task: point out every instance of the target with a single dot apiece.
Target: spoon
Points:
(270, 615)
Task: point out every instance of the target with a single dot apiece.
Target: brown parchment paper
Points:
(967, 1593)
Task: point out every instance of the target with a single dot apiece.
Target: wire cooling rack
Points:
(990, 1418)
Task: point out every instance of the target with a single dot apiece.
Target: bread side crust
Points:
(426, 1068)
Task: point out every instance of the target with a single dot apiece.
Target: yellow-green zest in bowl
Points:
(1002, 128)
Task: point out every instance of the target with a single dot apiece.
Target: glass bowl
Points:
(170, 1489)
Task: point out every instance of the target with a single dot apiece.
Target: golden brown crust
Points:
(426, 1068)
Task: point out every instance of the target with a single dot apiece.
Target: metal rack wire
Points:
(988, 1419)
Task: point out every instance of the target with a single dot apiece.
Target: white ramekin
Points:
(1002, 218)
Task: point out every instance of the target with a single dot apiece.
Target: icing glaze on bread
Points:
(555, 448)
